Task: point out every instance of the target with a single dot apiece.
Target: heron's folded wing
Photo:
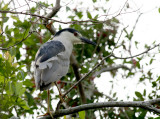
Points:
(49, 50)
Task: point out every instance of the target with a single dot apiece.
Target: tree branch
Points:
(62, 22)
(47, 18)
(117, 57)
(50, 15)
(86, 75)
(105, 69)
(75, 67)
(142, 104)
(54, 10)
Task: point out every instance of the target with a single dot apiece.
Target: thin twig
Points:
(53, 20)
(17, 42)
(111, 68)
(149, 49)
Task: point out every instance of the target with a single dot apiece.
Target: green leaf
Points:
(114, 94)
(9, 89)
(19, 89)
(5, 7)
(33, 9)
(24, 104)
(151, 61)
(96, 16)
(138, 64)
(28, 83)
(29, 98)
(82, 114)
(158, 79)
(21, 92)
(5, 19)
(144, 92)
(136, 44)
(89, 15)
(139, 95)
(67, 8)
(14, 17)
(154, 84)
(79, 14)
(142, 115)
(1, 79)
(159, 10)
(20, 75)
(13, 51)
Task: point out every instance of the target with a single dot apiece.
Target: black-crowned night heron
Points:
(53, 58)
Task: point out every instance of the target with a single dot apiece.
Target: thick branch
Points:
(54, 10)
(142, 104)
(50, 15)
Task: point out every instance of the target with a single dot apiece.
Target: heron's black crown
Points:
(66, 29)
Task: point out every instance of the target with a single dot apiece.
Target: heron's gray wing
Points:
(49, 49)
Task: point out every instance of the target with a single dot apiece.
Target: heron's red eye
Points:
(75, 34)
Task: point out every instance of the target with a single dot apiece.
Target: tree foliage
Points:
(23, 32)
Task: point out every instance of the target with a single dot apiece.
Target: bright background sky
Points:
(147, 31)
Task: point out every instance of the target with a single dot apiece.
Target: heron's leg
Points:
(48, 99)
(48, 106)
(60, 93)
(48, 103)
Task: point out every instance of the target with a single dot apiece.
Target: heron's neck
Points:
(67, 43)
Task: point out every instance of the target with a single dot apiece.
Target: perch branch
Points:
(148, 105)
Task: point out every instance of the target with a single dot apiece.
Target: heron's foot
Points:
(48, 113)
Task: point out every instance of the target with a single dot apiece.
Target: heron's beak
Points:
(85, 40)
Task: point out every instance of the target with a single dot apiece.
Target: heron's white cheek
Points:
(78, 42)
